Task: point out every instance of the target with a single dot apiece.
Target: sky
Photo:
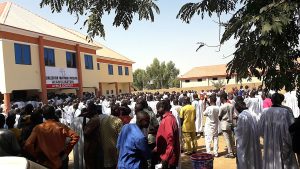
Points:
(167, 38)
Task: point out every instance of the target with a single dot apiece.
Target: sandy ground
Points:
(219, 162)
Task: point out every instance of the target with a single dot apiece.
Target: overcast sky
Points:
(168, 38)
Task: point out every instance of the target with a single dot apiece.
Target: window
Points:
(22, 54)
(126, 71)
(120, 91)
(112, 91)
(88, 59)
(199, 80)
(98, 66)
(107, 91)
(49, 57)
(215, 78)
(71, 59)
(187, 81)
(120, 70)
(110, 69)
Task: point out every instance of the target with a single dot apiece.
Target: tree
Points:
(175, 83)
(218, 84)
(124, 11)
(156, 76)
(140, 79)
(155, 73)
(171, 73)
(163, 75)
(267, 34)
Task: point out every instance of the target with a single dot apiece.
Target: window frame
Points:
(23, 60)
(88, 61)
(98, 65)
(120, 71)
(46, 57)
(187, 81)
(73, 58)
(126, 70)
(214, 78)
(199, 80)
(110, 69)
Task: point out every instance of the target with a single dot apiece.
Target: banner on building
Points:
(61, 77)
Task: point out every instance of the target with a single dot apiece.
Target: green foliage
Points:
(124, 11)
(218, 84)
(140, 79)
(156, 76)
(188, 10)
(267, 34)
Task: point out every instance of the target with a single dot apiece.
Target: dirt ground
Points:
(219, 162)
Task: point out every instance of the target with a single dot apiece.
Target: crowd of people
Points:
(144, 130)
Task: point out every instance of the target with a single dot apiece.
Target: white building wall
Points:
(2, 72)
(208, 82)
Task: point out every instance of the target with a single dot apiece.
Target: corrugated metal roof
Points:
(104, 51)
(18, 17)
(205, 71)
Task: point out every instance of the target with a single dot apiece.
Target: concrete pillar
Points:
(96, 92)
(6, 102)
(100, 92)
(79, 92)
(43, 94)
(129, 85)
(117, 88)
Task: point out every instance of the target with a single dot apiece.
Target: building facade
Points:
(206, 76)
(38, 57)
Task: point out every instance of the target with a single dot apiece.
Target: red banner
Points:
(53, 86)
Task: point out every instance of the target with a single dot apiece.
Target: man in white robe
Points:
(211, 126)
(175, 112)
(152, 104)
(291, 101)
(106, 107)
(253, 105)
(175, 109)
(274, 128)
(198, 122)
(78, 150)
(247, 139)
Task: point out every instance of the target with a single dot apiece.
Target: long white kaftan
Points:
(106, 107)
(292, 102)
(198, 105)
(175, 111)
(212, 120)
(211, 128)
(274, 127)
(247, 139)
(78, 150)
(253, 105)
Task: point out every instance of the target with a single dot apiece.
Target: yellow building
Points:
(37, 56)
(205, 76)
